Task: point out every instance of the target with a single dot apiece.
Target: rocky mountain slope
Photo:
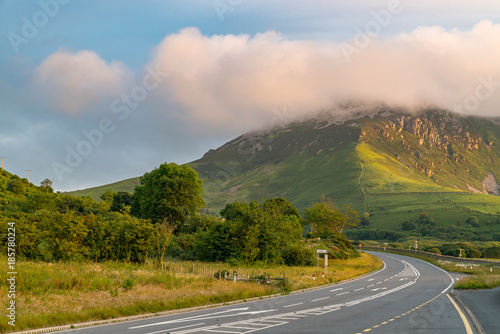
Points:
(389, 164)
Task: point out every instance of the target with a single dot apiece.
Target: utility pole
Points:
(28, 170)
(2, 162)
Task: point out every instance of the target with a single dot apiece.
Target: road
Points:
(407, 296)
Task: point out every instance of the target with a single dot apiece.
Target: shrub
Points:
(16, 186)
(434, 250)
(298, 255)
(408, 226)
(492, 252)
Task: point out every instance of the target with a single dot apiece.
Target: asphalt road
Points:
(485, 304)
(407, 296)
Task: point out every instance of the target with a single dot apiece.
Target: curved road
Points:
(407, 296)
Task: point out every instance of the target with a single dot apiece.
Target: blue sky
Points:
(229, 66)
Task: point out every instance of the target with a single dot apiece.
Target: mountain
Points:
(389, 163)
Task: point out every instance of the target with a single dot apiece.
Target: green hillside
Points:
(95, 193)
(392, 165)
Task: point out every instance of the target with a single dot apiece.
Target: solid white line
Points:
(293, 305)
(173, 329)
(468, 329)
(315, 300)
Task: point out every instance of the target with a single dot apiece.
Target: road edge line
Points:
(468, 328)
(469, 313)
(183, 310)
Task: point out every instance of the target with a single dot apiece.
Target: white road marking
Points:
(369, 286)
(337, 289)
(205, 317)
(359, 289)
(281, 319)
(173, 329)
(293, 305)
(315, 300)
(343, 293)
(371, 279)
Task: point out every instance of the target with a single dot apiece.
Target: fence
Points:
(461, 260)
(218, 272)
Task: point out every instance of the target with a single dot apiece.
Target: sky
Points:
(93, 92)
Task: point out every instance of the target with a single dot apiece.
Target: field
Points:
(51, 294)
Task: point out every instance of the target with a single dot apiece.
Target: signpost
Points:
(322, 251)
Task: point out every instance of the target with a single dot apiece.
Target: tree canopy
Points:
(327, 220)
(171, 192)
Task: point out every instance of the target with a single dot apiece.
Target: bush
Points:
(434, 250)
(492, 252)
(408, 226)
(473, 221)
(298, 255)
(16, 186)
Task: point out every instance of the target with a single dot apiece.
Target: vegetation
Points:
(169, 192)
(392, 168)
(74, 254)
(59, 293)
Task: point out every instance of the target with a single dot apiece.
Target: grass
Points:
(95, 193)
(52, 294)
(479, 282)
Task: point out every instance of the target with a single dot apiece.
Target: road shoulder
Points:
(484, 306)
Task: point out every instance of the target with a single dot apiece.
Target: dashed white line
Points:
(359, 289)
(343, 293)
(292, 305)
(315, 300)
(336, 289)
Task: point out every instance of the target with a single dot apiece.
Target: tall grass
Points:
(52, 294)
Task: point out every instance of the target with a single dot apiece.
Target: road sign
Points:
(321, 251)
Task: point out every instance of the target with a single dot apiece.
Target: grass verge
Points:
(479, 282)
(55, 294)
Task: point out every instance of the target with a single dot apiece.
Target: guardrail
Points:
(462, 260)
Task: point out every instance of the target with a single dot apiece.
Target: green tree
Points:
(121, 200)
(108, 196)
(170, 191)
(327, 220)
(16, 186)
(162, 237)
(408, 226)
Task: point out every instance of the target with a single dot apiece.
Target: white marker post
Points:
(322, 251)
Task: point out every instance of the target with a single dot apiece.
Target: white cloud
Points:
(236, 82)
(74, 82)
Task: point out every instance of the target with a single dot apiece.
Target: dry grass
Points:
(64, 293)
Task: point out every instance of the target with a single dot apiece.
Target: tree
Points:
(170, 191)
(121, 200)
(16, 186)
(108, 197)
(408, 226)
(47, 185)
(162, 237)
(326, 219)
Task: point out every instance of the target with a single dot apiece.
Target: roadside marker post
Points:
(321, 251)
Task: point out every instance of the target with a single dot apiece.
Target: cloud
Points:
(229, 81)
(74, 82)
